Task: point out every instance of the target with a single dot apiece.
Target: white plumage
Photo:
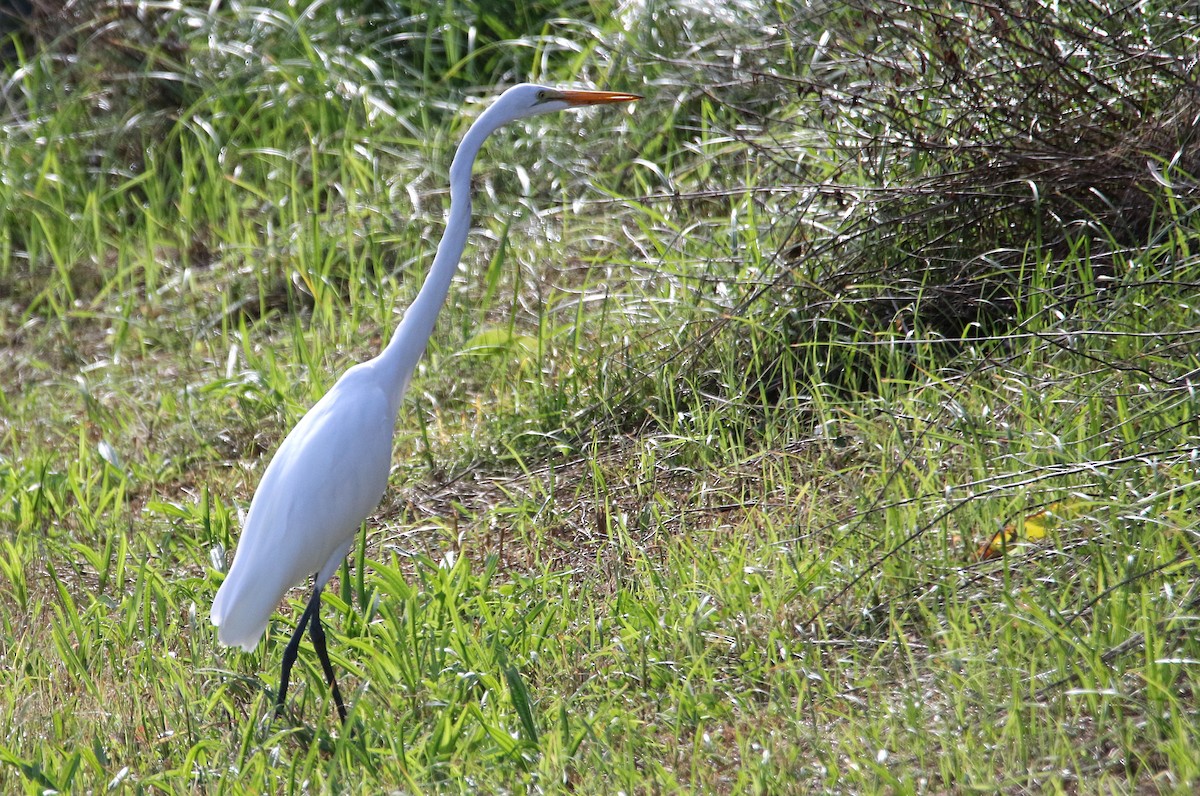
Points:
(326, 477)
(332, 469)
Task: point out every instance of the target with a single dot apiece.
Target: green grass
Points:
(688, 488)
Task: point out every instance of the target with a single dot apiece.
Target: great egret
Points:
(332, 469)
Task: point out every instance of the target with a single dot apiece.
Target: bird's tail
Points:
(242, 609)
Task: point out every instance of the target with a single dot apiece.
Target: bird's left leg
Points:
(293, 647)
(318, 640)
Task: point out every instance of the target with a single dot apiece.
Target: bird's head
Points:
(529, 99)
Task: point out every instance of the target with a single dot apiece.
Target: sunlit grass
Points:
(677, 504)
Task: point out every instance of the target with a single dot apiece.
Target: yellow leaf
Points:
(1033, 528)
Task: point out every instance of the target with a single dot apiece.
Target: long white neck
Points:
(399, 359)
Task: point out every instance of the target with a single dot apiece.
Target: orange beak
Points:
(580, 98)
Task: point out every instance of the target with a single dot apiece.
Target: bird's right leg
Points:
(293, 647)
(318, 640)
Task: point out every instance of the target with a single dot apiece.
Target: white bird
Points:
(332, 469)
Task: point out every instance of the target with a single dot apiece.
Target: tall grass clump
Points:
(942, 172)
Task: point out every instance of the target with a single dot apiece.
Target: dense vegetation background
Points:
(825, 422)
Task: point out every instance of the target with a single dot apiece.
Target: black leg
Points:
(289, 652)
(318, 640)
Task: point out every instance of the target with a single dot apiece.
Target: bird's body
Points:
(332, 469)
(313, 509)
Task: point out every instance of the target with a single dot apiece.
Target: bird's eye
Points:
(542, 95)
